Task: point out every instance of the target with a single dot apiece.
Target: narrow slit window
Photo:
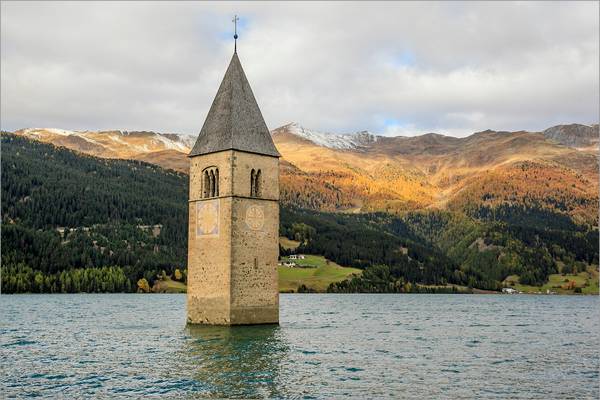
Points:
(212, 184)
(257, 184)
(205, 185)
(216, 182)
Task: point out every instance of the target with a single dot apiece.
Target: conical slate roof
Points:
(234, 120)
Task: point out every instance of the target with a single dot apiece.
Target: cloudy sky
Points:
(391, 68)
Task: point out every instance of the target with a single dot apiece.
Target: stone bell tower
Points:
(233, 212)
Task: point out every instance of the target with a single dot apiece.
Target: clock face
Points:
(255, 217)
(207, 218)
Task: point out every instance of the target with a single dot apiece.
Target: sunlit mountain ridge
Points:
(362, 171)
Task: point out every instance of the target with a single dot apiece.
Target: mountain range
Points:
(481, 212)
(362, 172)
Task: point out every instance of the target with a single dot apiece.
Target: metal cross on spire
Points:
(235, 35)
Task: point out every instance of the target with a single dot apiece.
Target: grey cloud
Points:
(330, 66)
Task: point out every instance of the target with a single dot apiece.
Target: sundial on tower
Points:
(255, 217)
(207, 218)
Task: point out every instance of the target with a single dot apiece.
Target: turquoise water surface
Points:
(362, 346)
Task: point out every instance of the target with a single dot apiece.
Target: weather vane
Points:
(235, 35)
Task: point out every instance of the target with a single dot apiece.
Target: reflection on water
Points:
(240, 361)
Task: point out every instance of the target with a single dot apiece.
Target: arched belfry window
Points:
(210, 182)
(255, 183)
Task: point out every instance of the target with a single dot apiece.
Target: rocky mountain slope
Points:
(556, 168)
(436, 171)
(582, 137)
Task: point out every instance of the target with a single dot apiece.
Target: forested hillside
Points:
(72, 223)
(440, 247)
(64, 211)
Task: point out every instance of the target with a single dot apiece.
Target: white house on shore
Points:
(509, 290)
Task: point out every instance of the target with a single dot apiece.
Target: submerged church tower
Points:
(233, 212)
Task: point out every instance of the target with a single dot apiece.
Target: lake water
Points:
(363, 346)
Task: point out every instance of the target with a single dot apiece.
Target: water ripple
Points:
(327, 346)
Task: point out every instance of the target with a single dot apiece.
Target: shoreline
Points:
(477, 292)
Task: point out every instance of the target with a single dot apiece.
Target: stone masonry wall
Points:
(209, 244)
(255, 242)
(233, 242)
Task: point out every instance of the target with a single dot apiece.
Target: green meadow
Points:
(585, 282)
(317, 274)
(168, 285)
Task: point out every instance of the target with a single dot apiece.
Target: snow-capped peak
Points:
(350, 141)
(55, 131)
(153, 141)
(174, 141)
